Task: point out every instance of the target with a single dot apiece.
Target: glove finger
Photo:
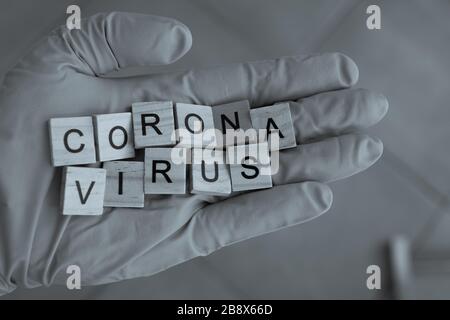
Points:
(336, 112)
(327, 160)
(261, 82)
(220, 224)
(256, 213)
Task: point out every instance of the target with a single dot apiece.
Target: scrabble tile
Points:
(114, 136)
(154, 124)
(209, 172)
(165, 170)
(72, 141)
(124, 184)
(233, 118)
(250, 166)
(83, 190)
(195, 124)
(276, 117)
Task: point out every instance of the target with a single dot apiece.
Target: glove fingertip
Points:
(146, 40)
(374, 147)
(348, 70)
(321, 196)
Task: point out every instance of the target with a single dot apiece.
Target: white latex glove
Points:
(62, 77)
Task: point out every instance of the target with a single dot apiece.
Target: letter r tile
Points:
(165, 170)
(154, 124)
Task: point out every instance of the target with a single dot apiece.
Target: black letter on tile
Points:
(272, 123)
(80, 194)
(120, 182)
(235, 125)
(216, 172)
(163, 172)
(249, 166)
(152, 124)
(66, 137)
(125, 137)
(186, 122)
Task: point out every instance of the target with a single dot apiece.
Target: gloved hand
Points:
(62, 77)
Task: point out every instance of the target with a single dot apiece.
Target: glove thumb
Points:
(107, 42)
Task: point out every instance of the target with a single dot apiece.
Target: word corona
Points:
(219, 149)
